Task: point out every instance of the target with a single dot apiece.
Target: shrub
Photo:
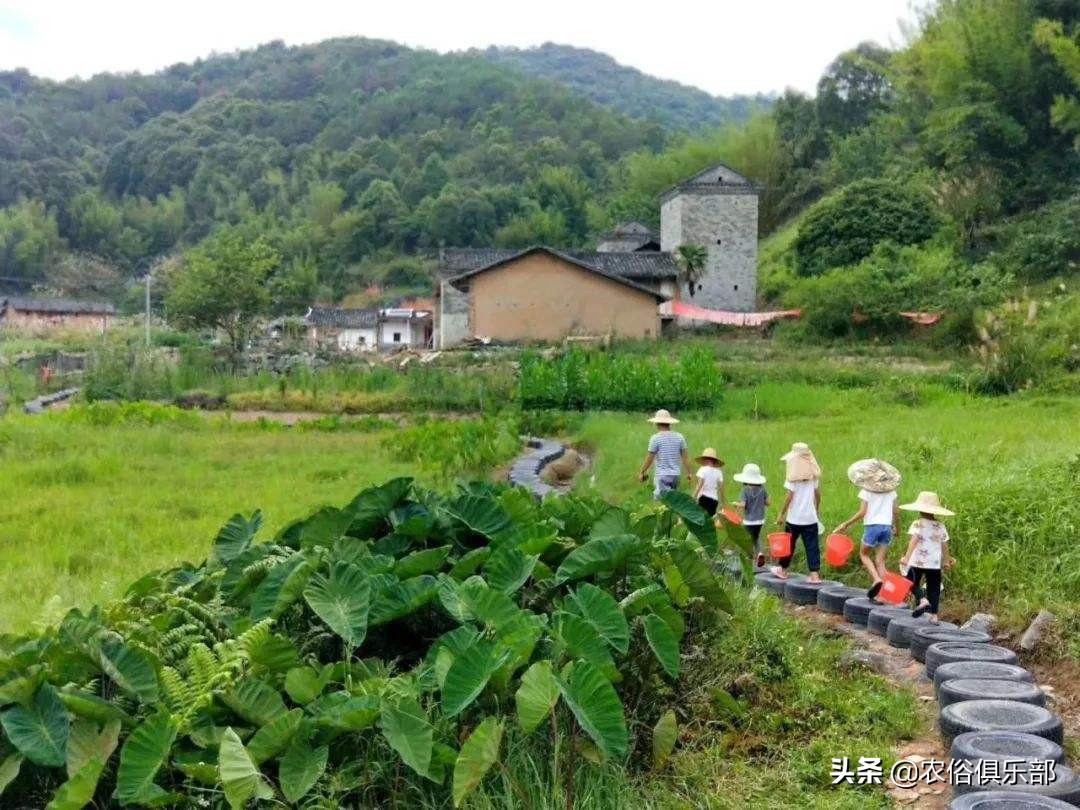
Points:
(1041, 245)
(845, 227)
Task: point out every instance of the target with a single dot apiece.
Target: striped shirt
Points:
(668, 447)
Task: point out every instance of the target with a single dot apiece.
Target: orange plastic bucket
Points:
(894, 588)
(780, 545)
(731, 516)
(838, 548)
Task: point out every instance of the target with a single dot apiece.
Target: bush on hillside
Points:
(1041, 245)
(845, 227)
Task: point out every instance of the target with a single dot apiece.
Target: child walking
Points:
(927, 552)
(710, 487)
(799, 514)
(877, 481)
(752, 502)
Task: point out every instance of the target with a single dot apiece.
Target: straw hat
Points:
(709, 453)
(751, 474)
(801, 464)
(874, 475)
(663, 417)
(927, 502)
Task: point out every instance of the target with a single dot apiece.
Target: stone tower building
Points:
(717, 209)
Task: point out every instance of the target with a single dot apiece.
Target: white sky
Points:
(721, 46)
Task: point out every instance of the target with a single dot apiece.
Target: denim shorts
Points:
(877, 535)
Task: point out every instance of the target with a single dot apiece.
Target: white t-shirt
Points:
(711, 478)
(930, 539)
(879, 507)
(802, 510)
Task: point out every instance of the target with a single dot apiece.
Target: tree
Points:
(1050, 36)
(223, 284)
(691, 260)
(855, 86)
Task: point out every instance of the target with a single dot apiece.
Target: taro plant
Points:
(383, 651)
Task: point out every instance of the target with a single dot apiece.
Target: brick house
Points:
(52, 314)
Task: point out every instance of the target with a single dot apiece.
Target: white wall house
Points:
(404, 329)
(347, 330)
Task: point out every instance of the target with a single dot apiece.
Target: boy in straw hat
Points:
(927, 552)
(667, 451)
(710, 488)
(877, 481)
(752, 501)
(799, 514)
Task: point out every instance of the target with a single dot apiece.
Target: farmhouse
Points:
(546, 293)
(50, 314)
(348, 330)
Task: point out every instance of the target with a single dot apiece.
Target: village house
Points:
(347, 330)
(53, 314)
(624, 288)
(405, 328)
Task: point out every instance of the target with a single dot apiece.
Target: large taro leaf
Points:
(642, 599)
(301, 768)
(581, 640)
(447, 647)
(372, 507)
(255, 701)
(401, 599)
(613, 522)
(271, 739)
(536, 696)
(477, 755)
(600, 555)
(664, 735)
(304, 684)
(406, 727)
(39, 731)
(272, 653)
(282, 586)
(240, 778)
(508, 568)
(695, 571)
(91, 707)
(131, 668)
(9, 770)
(87, 742)
(529, 538)
(325, 527)
(78, 791)
(468, 563)
(697, 520)
(236, 536)
(340, 711)
(597, 707)
(143, 754)
(420, 562)
(342, 601)
(469, 674)
(480, 514)
(664, 643)
(599, 608)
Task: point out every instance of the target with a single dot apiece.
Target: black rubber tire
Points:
(975, 745)
(923, 637)
(980, 669)
(947, 652)
(899, 630)
(1006, 800)
(804, 592)
(1065, 786)
(772, 583)
(832, 598)
(857, 610)
(987, 689)
(1006, 715)
(880, 617)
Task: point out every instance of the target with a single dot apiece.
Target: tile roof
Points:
(58, 305)
(342, 318)
(631, 229)
(572, 258)
(636, 266)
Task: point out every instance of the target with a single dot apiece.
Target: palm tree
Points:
(691, 260)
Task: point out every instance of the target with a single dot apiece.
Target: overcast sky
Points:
(723, 46)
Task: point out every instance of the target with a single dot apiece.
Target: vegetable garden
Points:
(387, 651)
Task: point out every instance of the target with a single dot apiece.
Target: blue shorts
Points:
(877, 535)
(664, 483)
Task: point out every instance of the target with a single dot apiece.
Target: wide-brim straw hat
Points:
(874, 475)
(710, 454)
(797, 449)
(801, 464)
(927, 502)
(751, 474)
(663, 417)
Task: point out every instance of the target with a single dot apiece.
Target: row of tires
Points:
(993, 715)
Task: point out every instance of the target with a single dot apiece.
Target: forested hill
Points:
(340, 154)
(599, 77)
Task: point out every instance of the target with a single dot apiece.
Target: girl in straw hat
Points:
(752, 501)
(927, 552)
(877, 481)
(710, 488)
(667, 451)
(799, 514)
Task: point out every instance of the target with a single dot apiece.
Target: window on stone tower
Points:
(736, 287)
(719, 241)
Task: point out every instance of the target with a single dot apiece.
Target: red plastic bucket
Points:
(838, 548)
(780, 545)
(731, 516)
(894, 588)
